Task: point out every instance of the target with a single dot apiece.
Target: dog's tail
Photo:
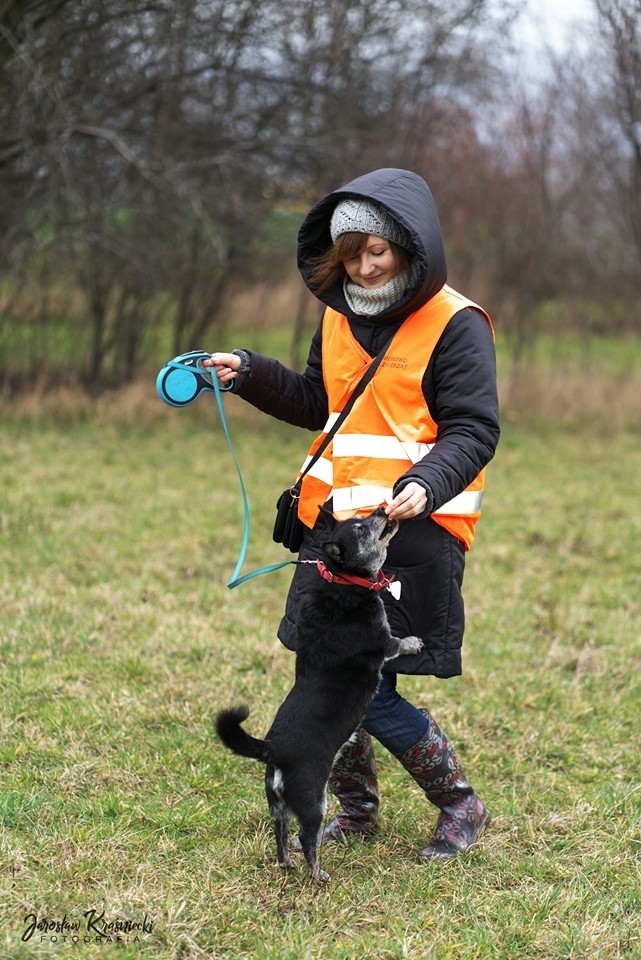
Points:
(228, 728)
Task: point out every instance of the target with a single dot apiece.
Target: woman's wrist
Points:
(244, 370)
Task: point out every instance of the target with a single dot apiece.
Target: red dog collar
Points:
(382, 583)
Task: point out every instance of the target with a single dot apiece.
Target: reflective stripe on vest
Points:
(356, 498)
(364, 445)
(376, 447)
(323, 470)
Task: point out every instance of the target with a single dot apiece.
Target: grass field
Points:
(119, 528)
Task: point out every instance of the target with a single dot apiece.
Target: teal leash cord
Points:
(234, 580)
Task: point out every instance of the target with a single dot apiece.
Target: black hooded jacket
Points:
(459, 385)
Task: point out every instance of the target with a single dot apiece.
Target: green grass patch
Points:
(119, 641)
(568, 352)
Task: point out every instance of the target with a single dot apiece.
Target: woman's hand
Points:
(227, 366)
(410, 502)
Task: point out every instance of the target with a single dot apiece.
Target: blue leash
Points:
(197, 369)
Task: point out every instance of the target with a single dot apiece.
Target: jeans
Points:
(393, 720)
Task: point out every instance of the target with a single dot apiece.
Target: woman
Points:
(417, 439)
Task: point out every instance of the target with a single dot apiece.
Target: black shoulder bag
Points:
(288, 528)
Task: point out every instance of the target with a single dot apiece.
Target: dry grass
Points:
(567, 398)
(560, 397)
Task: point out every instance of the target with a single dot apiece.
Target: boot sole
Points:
(433, 855)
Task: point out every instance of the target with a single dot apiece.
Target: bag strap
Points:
(353, 397)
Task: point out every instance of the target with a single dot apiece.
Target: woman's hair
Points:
(329, 268)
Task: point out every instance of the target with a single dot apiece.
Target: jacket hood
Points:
(408, 198)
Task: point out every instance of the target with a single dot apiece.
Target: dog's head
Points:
(358, 546)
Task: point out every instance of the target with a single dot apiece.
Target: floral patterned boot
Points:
(434, 766)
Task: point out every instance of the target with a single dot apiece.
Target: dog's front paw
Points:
(410, 645)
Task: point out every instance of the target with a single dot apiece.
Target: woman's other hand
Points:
(410, 502)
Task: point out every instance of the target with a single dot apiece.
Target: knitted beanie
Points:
(364, 216)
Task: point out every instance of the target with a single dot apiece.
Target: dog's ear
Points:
(327, 516)
(333, 550)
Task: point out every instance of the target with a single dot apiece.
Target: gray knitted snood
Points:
(369, 303)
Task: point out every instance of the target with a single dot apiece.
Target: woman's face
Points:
(374, 266)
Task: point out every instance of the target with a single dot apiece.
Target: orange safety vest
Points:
(390, 426)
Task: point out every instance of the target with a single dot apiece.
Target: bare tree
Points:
(620, 29)
(144, 147)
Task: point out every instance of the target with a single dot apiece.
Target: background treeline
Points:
(157, 157)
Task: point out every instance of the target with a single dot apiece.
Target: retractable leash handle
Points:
(182, 380)
(179, 384)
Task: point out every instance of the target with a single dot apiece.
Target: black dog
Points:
(342, 647)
